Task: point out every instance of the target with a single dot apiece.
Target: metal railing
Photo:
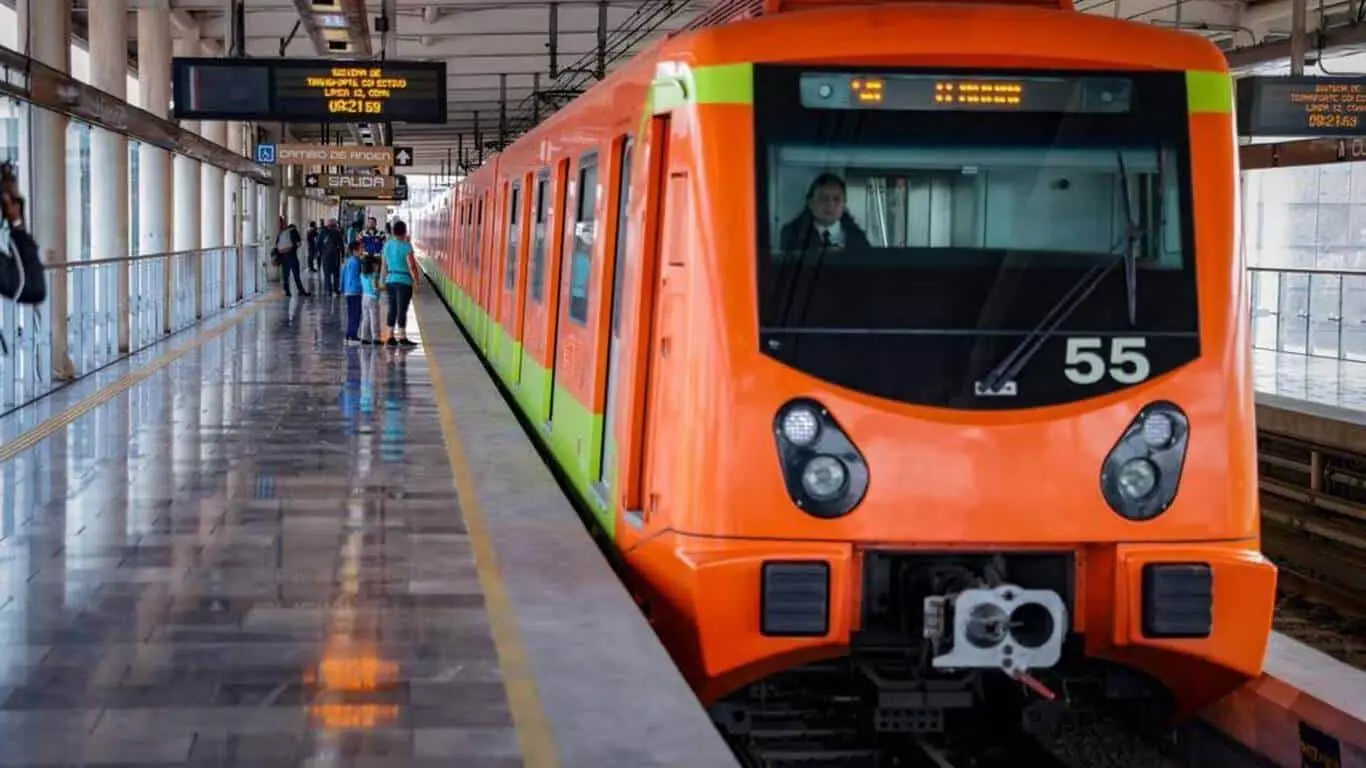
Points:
(1318, 313)
(166, 293)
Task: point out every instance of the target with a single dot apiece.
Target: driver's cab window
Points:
(851, 203)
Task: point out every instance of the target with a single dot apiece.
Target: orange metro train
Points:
(907, 337)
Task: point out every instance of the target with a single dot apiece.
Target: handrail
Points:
(1309, 271)
(145, 256)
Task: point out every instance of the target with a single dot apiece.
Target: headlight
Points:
(824, 472)
(801, 425)
(824, 477)
(1140, 476)
(1136, 479)
(1158, 429)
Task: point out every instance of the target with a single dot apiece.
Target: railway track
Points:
(1103, 743)
(1313, 501)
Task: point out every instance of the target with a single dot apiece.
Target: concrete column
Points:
(189, 213)
(251, 228)
(154, 164)
(213, 209)
(232, 192)
(295, 210)
(46, 24)
(109, 151)
(155, 201)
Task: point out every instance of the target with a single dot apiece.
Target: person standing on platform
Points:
(372, 239)
(397, 276)
(287, 251)
(311, 237)
(332, 244)
(369, 307)
(352, 288)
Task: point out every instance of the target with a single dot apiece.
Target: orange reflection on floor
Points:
(350, 666)
(353, 716)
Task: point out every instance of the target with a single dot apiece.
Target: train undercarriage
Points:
(970, 653)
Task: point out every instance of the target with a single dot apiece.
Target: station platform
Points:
(252, 545)
(1325, 386)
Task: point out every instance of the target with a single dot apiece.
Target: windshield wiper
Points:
(1125, 251)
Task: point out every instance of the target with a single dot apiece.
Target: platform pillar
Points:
(188, 202)
(154, 163)
(109, 151)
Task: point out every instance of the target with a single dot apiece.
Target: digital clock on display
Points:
(1301, 106)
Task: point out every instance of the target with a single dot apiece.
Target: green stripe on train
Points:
(575, 439)
(716, 84)
(1209, 92)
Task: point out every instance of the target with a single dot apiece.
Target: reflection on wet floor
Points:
(252, 557)
(1328, 381)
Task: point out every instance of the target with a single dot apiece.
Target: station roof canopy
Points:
(482, 41)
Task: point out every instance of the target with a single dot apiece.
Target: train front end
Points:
(992, 433)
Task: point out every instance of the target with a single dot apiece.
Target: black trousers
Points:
(399, 297)
(289, 265)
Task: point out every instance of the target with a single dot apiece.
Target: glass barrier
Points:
(1318, 313)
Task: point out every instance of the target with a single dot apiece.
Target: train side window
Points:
(623, 222)
(538, 236)
(585, 235)
(478, 230)
(514, 235)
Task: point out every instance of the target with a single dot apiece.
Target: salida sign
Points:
(337, 183)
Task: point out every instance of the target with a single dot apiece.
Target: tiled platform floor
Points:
(1325, 381)
(252, 557)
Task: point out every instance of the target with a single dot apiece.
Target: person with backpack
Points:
(21, 268)
(287, 253)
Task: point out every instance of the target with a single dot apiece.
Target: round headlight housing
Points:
(824, 477)
(801, 425)
(1158, 430)
(1136, 479)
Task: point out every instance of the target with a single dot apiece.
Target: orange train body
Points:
(666, 370)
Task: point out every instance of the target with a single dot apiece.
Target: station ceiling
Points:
(484, 40)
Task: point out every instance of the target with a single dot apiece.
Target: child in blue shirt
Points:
(352, 289)
(369, 313)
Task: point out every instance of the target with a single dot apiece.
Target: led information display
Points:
(1302, 106)
(945, 93)
(309, 90)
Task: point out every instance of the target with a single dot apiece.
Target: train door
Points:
(572, 397)
(476, 289)
(507, 312)
(607, 470)
(640, 488)
(564, 242)
(536, 259)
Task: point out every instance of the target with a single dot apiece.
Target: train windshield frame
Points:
(907, 246)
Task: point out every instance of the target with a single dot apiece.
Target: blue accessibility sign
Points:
(265, 153)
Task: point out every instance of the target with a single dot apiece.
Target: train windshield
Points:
(975, 240)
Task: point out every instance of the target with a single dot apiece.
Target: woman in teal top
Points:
(398, 280)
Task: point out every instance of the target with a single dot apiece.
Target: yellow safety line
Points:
(36, 435)
(533, 729)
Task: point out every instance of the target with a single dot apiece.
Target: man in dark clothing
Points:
(312, 237)
(332, 246)
(824, 224)
(287, 248)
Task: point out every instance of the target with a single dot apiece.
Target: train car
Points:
(904, 341)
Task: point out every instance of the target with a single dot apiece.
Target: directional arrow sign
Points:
(311, 180)
(403, 157)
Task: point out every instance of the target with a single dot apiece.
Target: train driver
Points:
(824, 223)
